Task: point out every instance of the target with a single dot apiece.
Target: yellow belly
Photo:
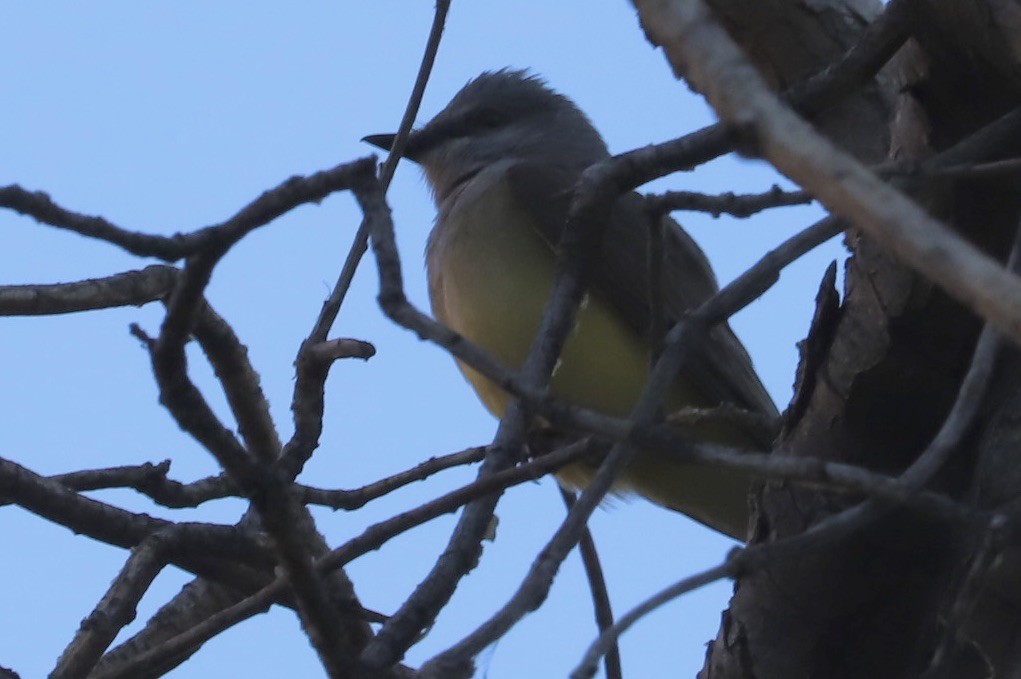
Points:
(491, 277)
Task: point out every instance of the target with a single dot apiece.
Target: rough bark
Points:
(884, 371)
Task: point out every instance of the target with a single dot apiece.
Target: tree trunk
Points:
(881, 370)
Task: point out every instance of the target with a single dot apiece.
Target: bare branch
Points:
(979, 170)
(117, 607)
(151, 480)
(698, 46)
(607, 641)
(741, 206)
(270, 497)
(986, 142)
(50, 500)
(41, 207)
(248, 403)
(188, 407)
(308, 403)
(372, 538)
(765, 427)
(353, 499)
(275, 503)
(261, 211)
(600, 597)
(876, 46)
(336, 349)
(878, 43)
(287, 523)
(332, 305)
(131, 288)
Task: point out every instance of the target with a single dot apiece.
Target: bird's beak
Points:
(380, 141)
(412, 149)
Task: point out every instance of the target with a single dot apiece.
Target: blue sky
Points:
(166, 117)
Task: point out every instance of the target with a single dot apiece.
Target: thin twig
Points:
(52, 501)
(987, 142)
(342, 347)
(308, 401)
(354, 499)
(41, 207)
(261, 211)
(358, 248)
(607, 641)
(735, 205)
(372, 538)
(936, 168)
(600, 596)
(151, 480)
(996, 168)
(177, 392)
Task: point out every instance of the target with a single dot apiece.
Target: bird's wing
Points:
(722, 367)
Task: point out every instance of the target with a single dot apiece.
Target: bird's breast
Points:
(491, 275)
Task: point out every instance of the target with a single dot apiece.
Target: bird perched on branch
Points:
(501, 160)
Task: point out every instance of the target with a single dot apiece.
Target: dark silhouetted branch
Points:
(600, 597)
(131, 288)
(735, 205)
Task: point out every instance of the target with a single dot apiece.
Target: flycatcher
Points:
(501, 160)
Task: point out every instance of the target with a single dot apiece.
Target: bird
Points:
(501, 160)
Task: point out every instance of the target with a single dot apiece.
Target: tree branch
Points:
(372, 538)
(741, 206)
(131, 288)
(264, 209)
(103, 522)
(600, 597)
(358, 248)
(607, 641)
(235, 372)
(117, 608)
(700, 48)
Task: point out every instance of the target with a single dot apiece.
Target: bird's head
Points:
(504, 115)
